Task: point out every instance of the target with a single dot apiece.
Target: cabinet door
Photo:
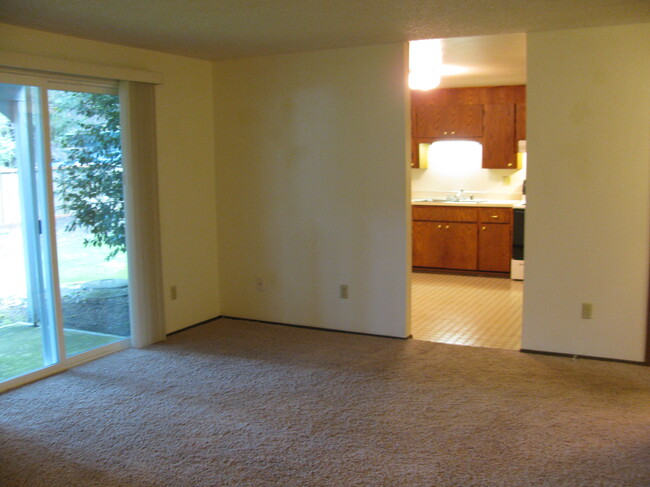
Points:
(427, 244)
(449, 121)
(499, 147)
(445, 245)
(520, 121)
(460, 246)
(495, 247)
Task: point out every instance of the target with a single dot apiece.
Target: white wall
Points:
(185, 133)
(588, 210)
(312, 188)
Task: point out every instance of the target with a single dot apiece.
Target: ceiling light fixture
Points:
(425, 64)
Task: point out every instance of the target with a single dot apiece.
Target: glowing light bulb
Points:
(424, 80)
(425, 64)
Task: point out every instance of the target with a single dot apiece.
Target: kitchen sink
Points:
(445, 200)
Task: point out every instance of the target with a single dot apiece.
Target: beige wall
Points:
(312, 185)
(186, 161)
(588, 193)
(312, 188)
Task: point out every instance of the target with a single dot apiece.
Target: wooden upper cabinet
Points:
(520, 121)
(494, 116)
(499, 145)
(449, 121)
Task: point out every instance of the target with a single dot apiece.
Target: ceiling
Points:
(484, 60)
(224, 29)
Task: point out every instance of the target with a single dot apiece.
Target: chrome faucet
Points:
(459, 196)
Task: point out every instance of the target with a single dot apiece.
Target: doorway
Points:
(483, 310)
(63, 284)
(477, 310)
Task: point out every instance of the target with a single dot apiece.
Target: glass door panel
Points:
(63, 271)
(89, 215)
(28, 334)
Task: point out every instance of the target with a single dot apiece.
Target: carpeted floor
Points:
(234, 403)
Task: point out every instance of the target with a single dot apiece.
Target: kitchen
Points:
(468, 194)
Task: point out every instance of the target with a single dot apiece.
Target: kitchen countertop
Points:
(469, 204)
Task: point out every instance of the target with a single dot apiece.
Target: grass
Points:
(21, 347)
(79, 263)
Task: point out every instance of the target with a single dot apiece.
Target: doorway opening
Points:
(462, 292)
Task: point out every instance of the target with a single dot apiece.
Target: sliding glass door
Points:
(89, 218)
(63, 271)
(28, 333)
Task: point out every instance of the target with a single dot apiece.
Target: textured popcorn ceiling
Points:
(221, 29)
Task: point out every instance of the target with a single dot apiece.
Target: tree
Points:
(86, 148)
(7, 143)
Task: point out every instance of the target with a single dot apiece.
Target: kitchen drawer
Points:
(495, 215)
(444, 213)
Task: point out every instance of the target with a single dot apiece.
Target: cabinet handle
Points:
(447, 227)
(453, 133)
(494, 216)
(483, 228)
(510, 164)
(439, 226)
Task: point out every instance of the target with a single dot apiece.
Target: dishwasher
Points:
(517, 263)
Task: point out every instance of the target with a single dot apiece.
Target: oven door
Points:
(517, 265)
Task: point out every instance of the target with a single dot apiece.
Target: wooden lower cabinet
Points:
(427, 246)
(462, 238)
(461, 245)
(448, 245)
(494, 243)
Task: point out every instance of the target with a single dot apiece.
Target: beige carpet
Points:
(234, 403)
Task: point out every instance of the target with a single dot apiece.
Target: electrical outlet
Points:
(173, 292)
(259, 285)
(343, 291)
(586, 311)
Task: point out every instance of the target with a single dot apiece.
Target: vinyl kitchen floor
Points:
(467, 310)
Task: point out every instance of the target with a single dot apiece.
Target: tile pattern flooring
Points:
(467, 310)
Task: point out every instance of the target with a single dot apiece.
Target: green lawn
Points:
(20, 347)
(79, 263)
